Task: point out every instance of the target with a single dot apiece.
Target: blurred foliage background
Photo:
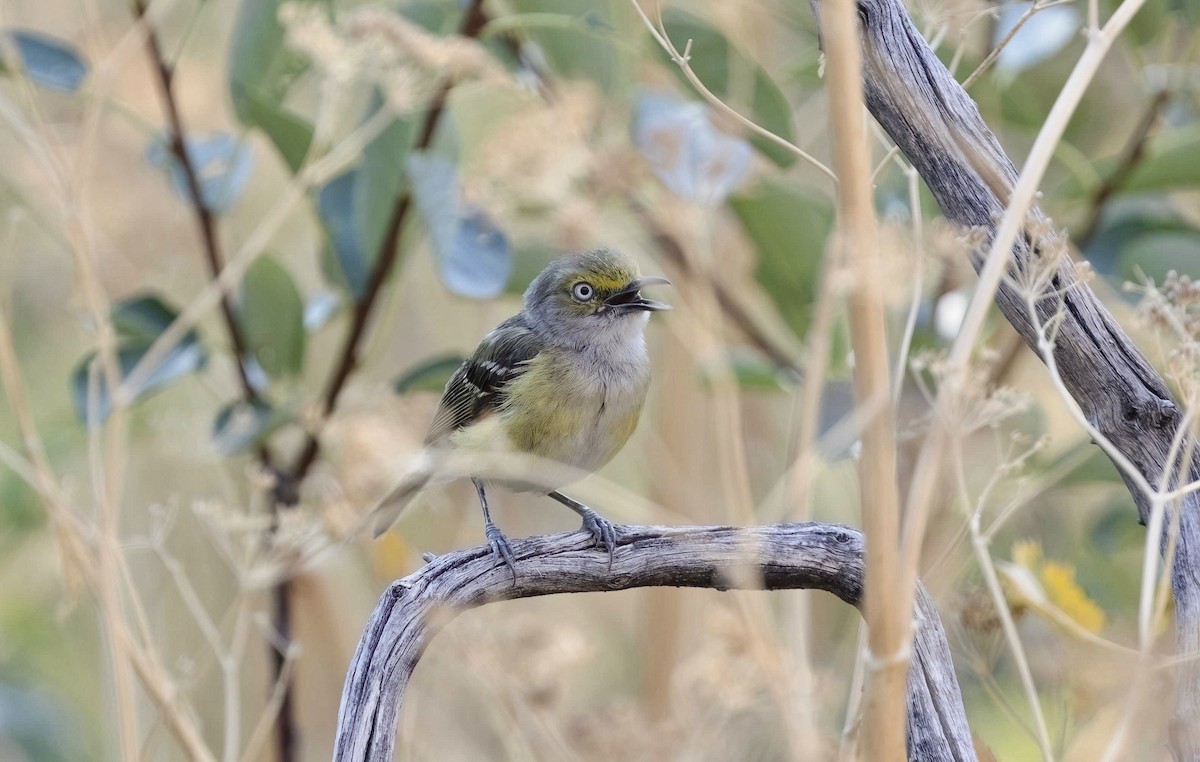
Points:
(565, 126)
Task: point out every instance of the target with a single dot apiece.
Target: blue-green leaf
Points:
(33, 723)
(140, 318)
(184, 358)
(49, 61)
(138, 321)
(319, 309)
(261, 69)
(1170, 161)
(1124, 242)
(686, 151)
(335, 206)
(380, 179)
(241, 425)
(356, 206)
(271, 313)
(222, 163)
(472, 253)
(291, 133)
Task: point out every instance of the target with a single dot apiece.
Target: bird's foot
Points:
(501, 550)
(602, 530)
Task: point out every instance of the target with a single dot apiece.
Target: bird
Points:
(563, 380)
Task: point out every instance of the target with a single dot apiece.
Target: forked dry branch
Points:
(776, 557)
(1125, 402)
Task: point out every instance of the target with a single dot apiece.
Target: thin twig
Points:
(205, 220)
(992, 581)
(658, 32)
(347, 362)
(995, 52)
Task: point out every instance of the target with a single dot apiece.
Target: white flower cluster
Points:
(380, 47)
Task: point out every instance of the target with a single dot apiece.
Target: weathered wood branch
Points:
(938, 127)
(777, 557)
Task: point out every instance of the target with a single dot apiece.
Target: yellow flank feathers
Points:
(581, 418)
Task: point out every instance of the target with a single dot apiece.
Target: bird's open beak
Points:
(631, 298)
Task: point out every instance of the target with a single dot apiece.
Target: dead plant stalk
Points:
(888, 619)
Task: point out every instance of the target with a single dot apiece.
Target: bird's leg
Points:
(497, 542)
(596, 525)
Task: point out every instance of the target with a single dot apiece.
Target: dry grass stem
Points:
(888, 621)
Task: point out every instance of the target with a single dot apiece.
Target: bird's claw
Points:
(501, 550)
(603, 531)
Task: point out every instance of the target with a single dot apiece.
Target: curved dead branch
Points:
(777, 557)
(938, 127)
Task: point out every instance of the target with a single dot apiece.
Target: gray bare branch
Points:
(938, 127)
(777, 557)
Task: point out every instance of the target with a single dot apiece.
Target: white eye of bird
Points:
(583, 292)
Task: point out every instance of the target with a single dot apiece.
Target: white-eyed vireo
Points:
(563, 380)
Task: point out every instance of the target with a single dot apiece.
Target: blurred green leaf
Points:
(576, 38)
(1156, 253)
(291, 134)
(20, 507)
(753, 372)
(1144, 236)
(345, 258)
(356, 207)
(1147, 25)
(1172, 161)
(429, 376)
(429, 15)
(142, 318)
(271, 313)
(241, 425)
(381, 178)
(261, 69)
(731, 76)
(138, 322)
(186, 357)
(789, 229)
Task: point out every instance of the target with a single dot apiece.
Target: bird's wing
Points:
(479, 385)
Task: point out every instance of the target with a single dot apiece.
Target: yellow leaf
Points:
(1060, 585)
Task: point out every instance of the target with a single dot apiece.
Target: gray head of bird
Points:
(591, 297)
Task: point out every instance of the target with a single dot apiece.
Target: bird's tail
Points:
(390, 507)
